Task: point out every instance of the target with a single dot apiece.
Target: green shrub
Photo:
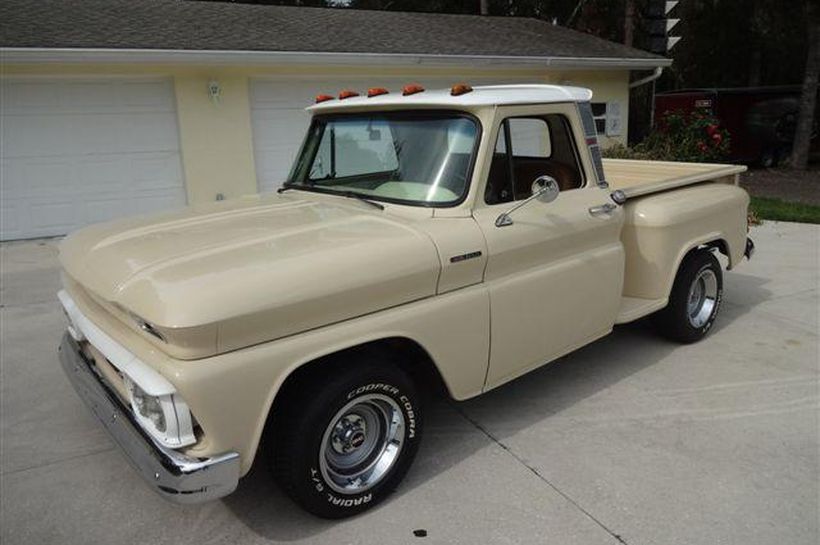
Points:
(695, 137)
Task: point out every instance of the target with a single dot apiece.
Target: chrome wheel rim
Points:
(361, 443)
(702, 298)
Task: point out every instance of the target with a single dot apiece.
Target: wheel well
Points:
(720, 245)
(410, 356)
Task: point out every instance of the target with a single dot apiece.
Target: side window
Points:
(529, 147)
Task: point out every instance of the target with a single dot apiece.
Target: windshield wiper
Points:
(359, 196)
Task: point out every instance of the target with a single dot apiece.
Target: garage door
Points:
(76, 152)
(279, 120)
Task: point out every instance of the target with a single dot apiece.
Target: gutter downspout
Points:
(655, 75)
(643, 81)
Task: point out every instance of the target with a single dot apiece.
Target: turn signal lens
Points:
(411, 89)
(376, 91)
(460, 89)
(323, 98)
(347, 93)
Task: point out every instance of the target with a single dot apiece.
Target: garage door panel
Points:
(48, 215)
(157, 171)
(10, 218)
(149, 132)
(104, 209)
(154, 95)
(78, 152)
(21, 97)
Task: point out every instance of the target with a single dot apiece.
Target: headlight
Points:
(166, 417)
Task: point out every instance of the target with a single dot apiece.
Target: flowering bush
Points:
(696, 137)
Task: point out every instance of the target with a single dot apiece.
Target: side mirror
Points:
(544, 189)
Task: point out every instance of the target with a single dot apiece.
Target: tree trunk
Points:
(629, 23)
(755, 45)
(484, 6)
(808, 98)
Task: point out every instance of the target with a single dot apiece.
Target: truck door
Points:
(555, 273)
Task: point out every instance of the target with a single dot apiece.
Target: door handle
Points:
(603, 209)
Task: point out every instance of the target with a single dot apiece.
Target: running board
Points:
(633, 308)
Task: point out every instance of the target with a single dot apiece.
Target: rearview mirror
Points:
(545, 189)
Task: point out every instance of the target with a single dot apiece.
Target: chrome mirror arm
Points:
(544, 188)
(504, 219)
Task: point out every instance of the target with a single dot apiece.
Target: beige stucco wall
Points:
(216, 138)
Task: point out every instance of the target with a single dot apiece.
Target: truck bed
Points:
(636, 178)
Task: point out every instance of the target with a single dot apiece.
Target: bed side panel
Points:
(660, 229)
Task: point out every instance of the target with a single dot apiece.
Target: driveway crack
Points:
(535, 471)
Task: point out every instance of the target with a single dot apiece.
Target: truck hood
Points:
(257, 269)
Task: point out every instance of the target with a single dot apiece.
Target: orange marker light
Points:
(347, 93)
(411, 89)
(323, 98)
(376, 91)
(460, 89)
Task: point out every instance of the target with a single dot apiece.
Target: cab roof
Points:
(483, 95)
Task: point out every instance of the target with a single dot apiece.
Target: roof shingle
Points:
(190, 25)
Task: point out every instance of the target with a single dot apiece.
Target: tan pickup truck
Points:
(450, 239)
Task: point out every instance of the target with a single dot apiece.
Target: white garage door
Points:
(279, 120)
(76, 152)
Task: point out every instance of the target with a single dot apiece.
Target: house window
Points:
(607, 116)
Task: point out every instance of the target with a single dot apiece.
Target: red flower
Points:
(702, 147)
(717, 138)
(712, 129)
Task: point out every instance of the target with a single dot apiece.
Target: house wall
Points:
(216, 137)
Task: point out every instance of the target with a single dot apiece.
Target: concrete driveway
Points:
(630, 440)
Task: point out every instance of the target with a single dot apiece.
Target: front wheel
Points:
(695, 299)
(346, 440)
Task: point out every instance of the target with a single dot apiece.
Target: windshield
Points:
(419, 158)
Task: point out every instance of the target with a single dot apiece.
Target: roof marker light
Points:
(411, 89)
(376, 91)
(460, 89)
(323, 98)
(347, 93)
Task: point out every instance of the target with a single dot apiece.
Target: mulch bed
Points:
(784, 184)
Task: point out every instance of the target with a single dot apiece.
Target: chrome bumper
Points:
(179, 478)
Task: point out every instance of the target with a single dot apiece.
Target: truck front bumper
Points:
(175, 476)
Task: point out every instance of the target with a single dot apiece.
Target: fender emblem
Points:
(465, 257)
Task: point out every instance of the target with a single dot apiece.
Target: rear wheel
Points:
(347, 437)
(695, 299)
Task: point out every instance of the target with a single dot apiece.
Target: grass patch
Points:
(776, 210)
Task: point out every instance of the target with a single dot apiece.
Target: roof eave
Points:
(21, 55)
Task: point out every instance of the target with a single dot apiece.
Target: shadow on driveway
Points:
(520, 404)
